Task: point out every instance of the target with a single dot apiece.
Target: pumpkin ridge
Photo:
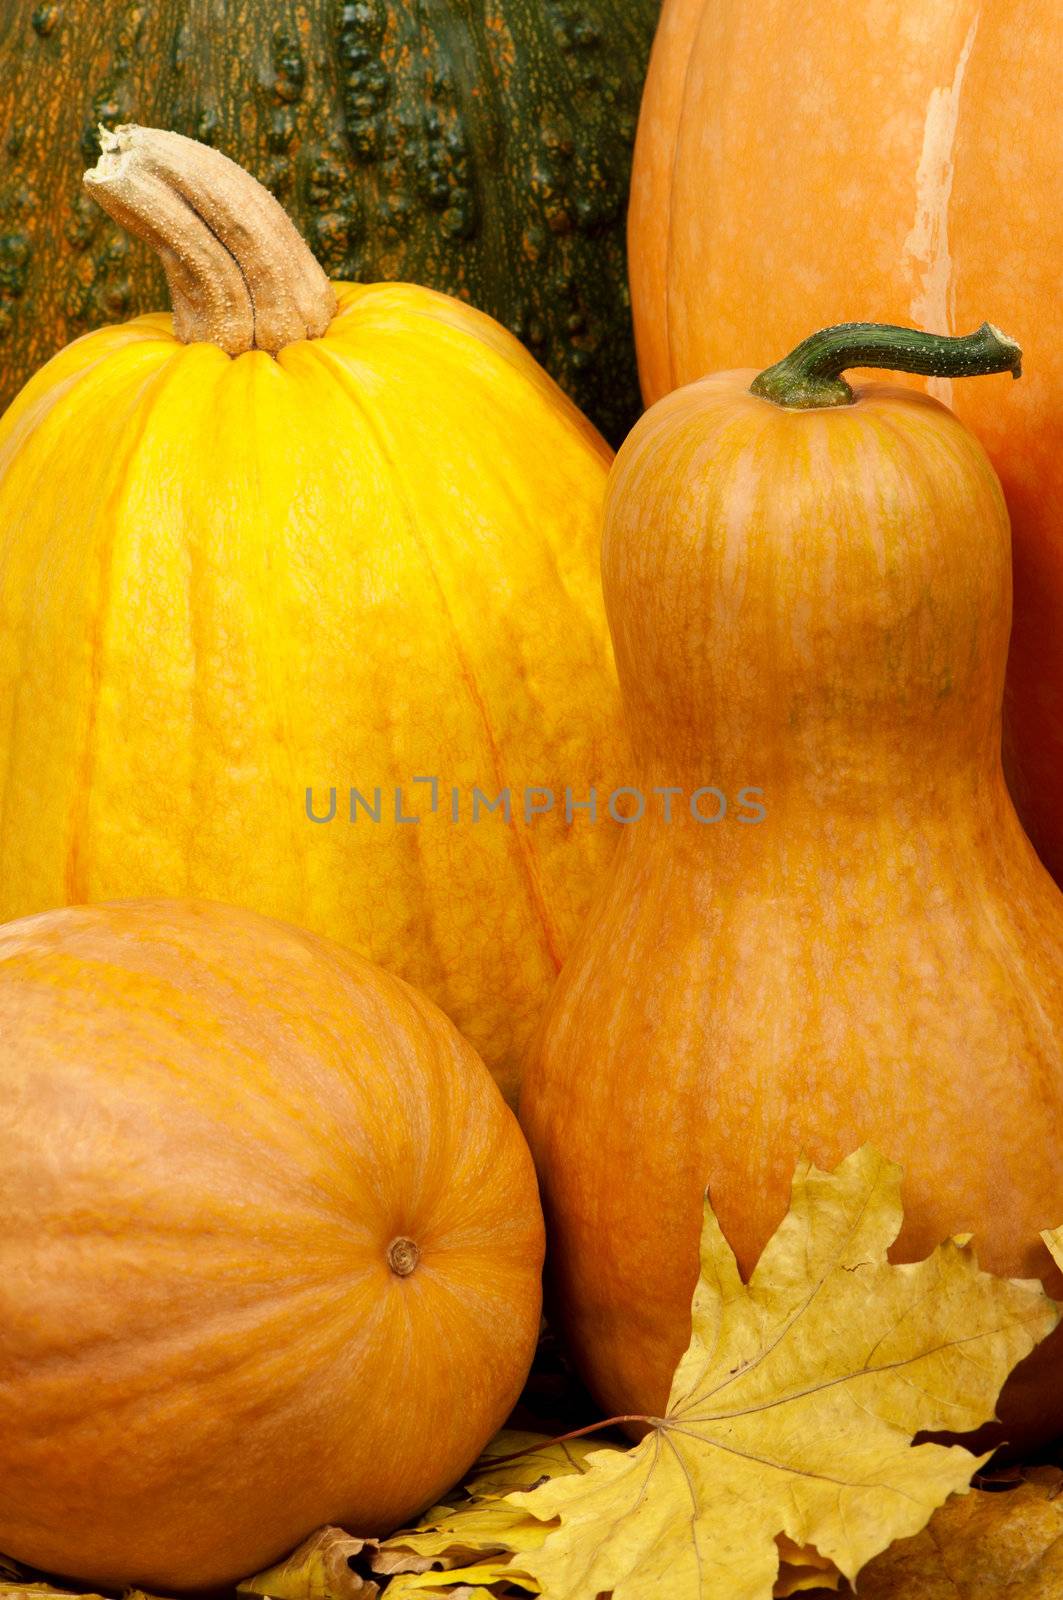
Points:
(318, 1194)
(282, 712)
(143, 398)
(669, 247)
(438, 309)
(344, 381)
(547, 386)
(163, 1339)
(452, 354)
(26, 423)
(520, 849)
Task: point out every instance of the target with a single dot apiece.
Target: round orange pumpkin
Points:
(271, 1244)
(929, 134)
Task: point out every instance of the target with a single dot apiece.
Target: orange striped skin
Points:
(816, 603)
(800, 165)
(375, 557)
(214, 1126)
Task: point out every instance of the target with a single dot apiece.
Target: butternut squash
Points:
(934, 126)
(809, 591)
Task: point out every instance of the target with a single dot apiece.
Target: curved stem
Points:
(239, 273)
(563, 1438)
(811, 375)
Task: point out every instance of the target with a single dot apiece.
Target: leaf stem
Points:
(564, 1438)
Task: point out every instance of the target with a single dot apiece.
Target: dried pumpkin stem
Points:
(240, 275)
(811, 375)
(403, 1256)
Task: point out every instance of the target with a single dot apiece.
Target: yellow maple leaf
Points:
(16, 1589)
(793, 1410)
(478, 1540)
(457, 1536)
(1002, 1545)
(319, 1569)
(465, 1592)
(1053, 1238)
(481, 1539)
(458, 1580)
(801, 1567)
(516, 1460)
(31, 1589)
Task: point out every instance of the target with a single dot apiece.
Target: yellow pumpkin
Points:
(303, 538)
(271, 1244)
(810, 592)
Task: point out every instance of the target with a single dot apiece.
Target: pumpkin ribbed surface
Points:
(373, 558)
(216, 1130)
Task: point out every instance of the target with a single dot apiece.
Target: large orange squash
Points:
(813, 603)
(293, 539)
(270, 1237)
(797, 164)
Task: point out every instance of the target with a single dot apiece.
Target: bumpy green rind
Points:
(482, 147)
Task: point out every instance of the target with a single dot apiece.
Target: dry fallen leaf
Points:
(459, 1536)
(463, 1592)
(483, 1536)
(462, 1580)
(1001, 1545)
(793, 1410)
(479, 1537)
(318, 1570)
(14, 1587)
(801, 1567)
(536, 1458)
(1053, 1238)
(25, 1589)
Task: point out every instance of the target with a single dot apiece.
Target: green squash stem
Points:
(811, 375)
